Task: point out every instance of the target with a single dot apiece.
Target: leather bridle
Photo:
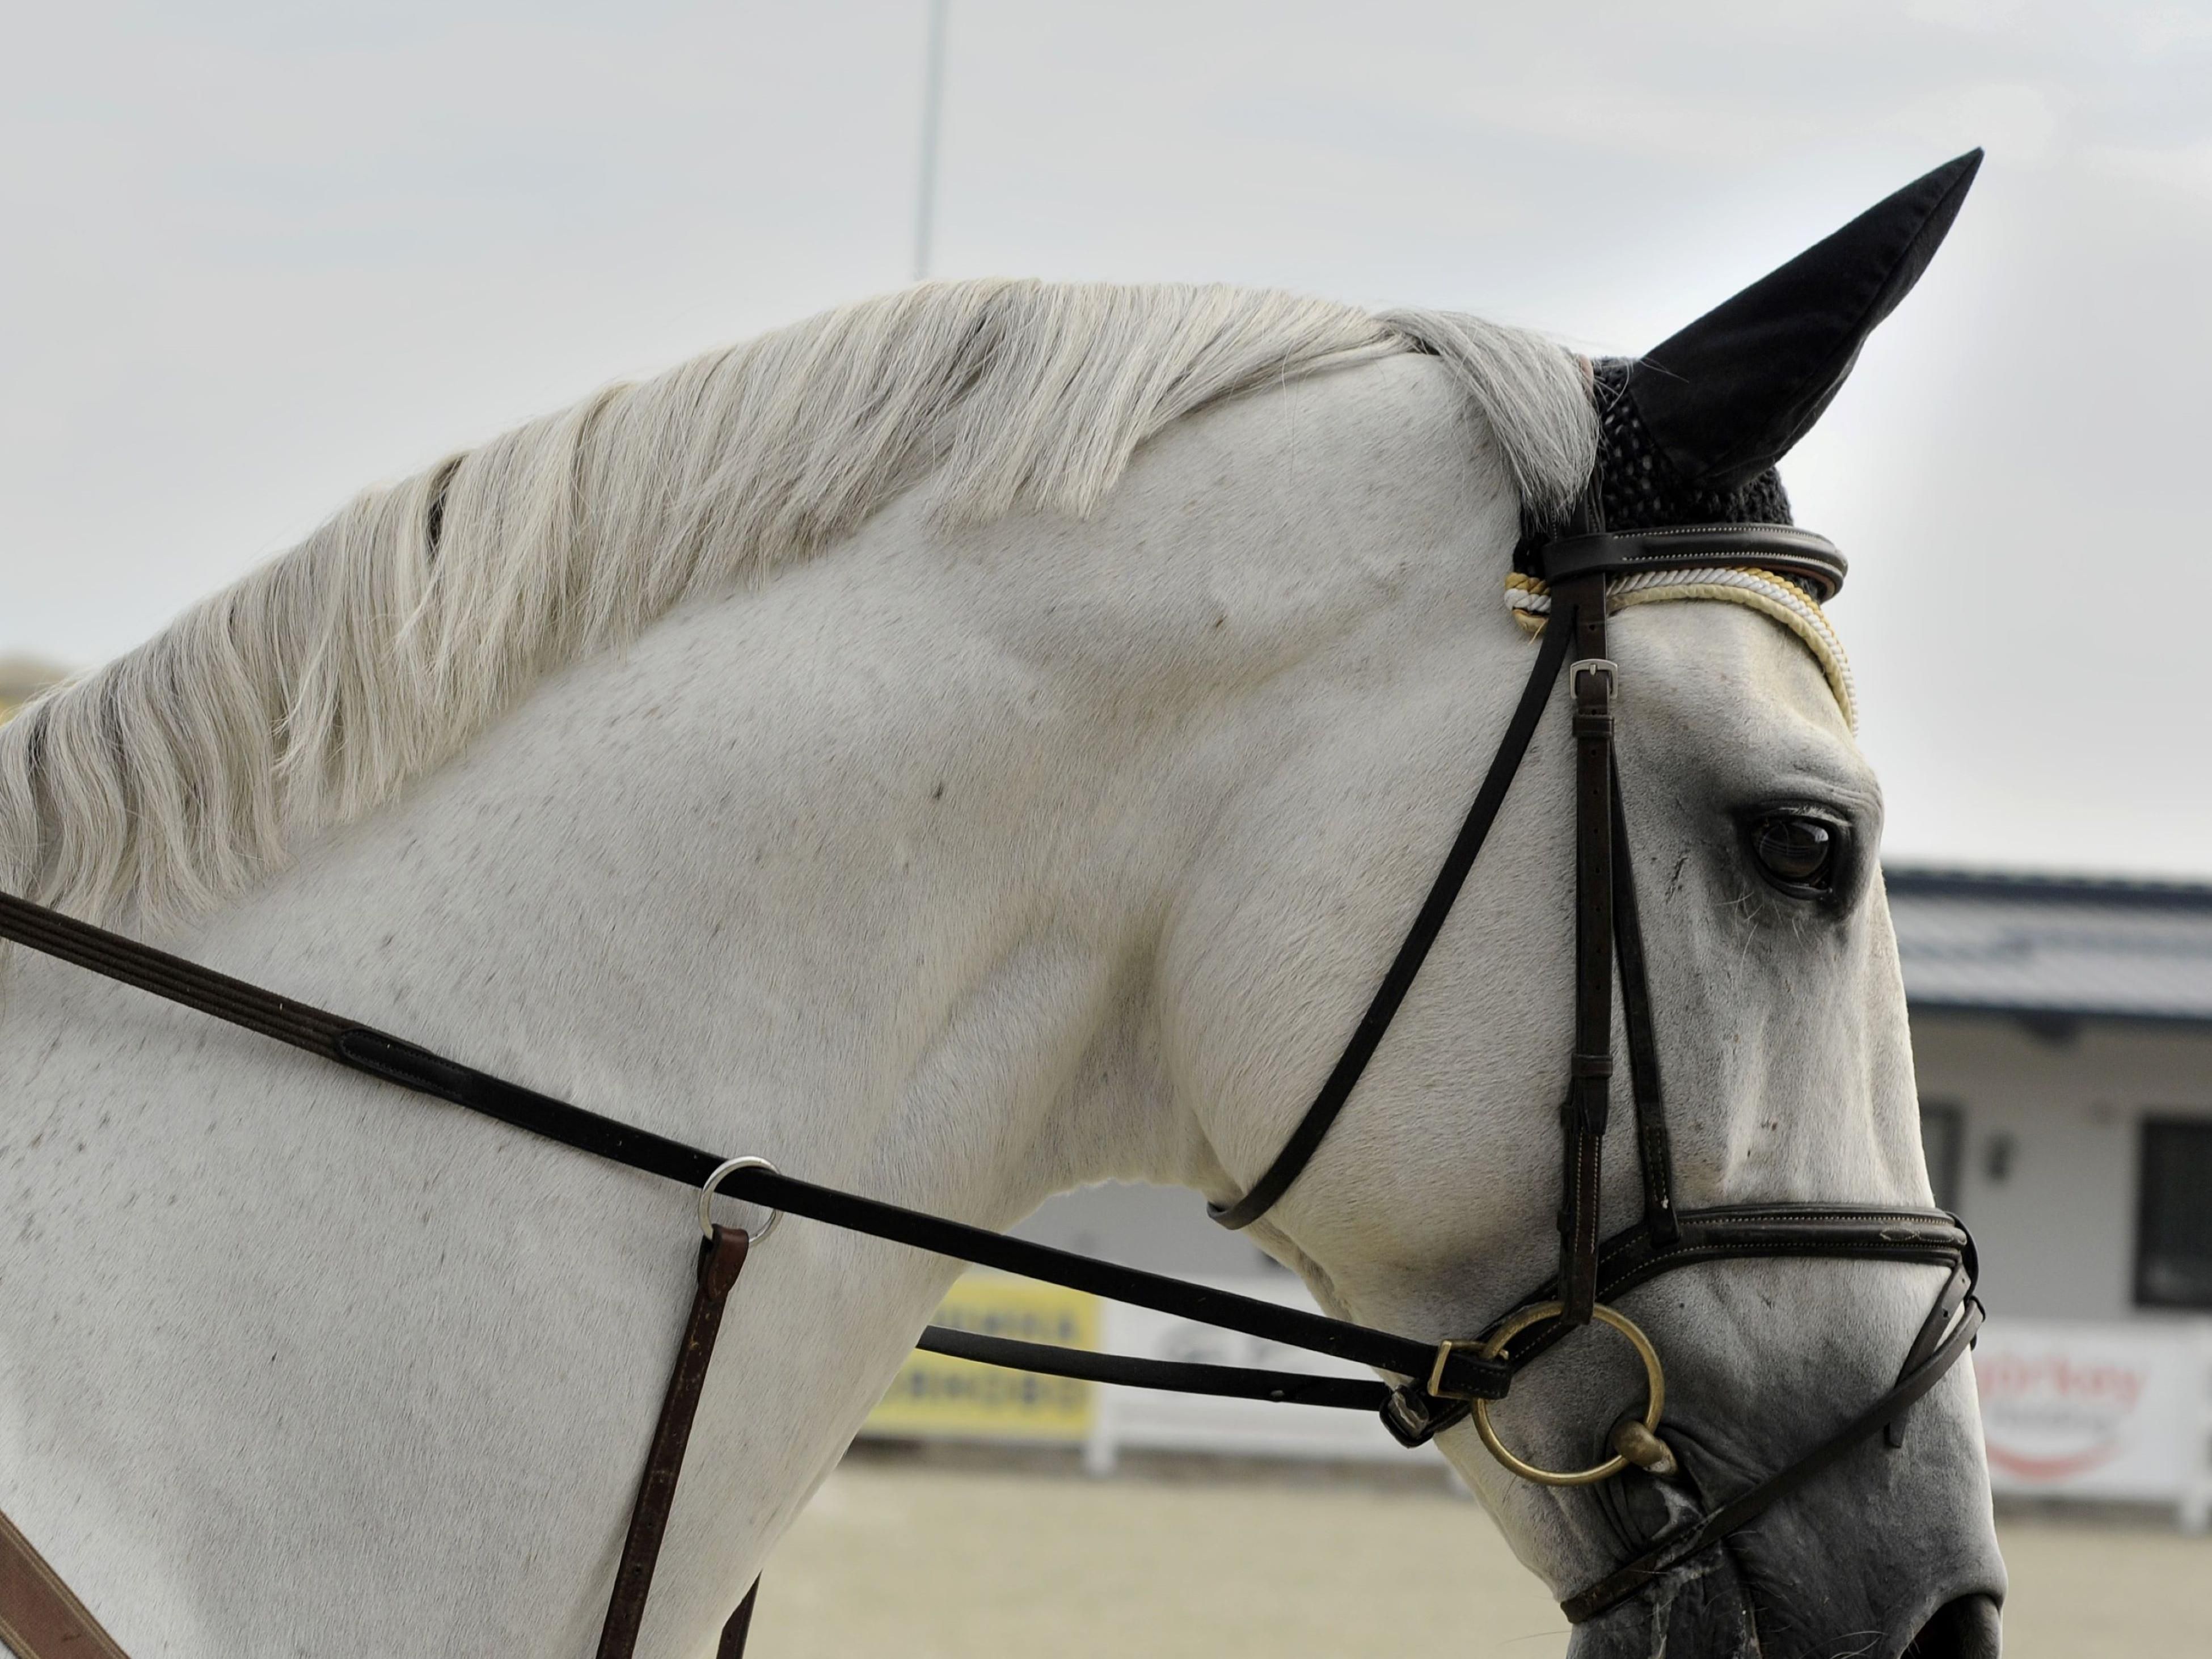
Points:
(1594, 1271)
(1443, 1383)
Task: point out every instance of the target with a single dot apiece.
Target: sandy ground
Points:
(930, 1559)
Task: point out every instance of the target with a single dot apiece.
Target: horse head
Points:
(1775, 1007)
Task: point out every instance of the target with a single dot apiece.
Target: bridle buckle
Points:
(1435, 1386)
(1603, 667)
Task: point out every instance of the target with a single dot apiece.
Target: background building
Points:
(2063, 1031)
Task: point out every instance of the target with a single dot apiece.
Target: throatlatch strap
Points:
(721, 1258)
(1304, 1140)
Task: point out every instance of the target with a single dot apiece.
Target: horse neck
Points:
(761, 920)
(861, 872)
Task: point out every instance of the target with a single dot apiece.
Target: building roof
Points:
(2051, 946)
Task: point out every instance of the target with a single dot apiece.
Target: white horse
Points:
(978, 742)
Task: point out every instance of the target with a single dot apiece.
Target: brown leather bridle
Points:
(1445, 1383)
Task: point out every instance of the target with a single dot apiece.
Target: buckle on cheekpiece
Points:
(1603, 670)
(1445, 1349)
(1412, 1417)
(1417, 1412)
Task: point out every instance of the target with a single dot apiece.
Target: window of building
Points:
(2173, 1235)
(1943, 1141)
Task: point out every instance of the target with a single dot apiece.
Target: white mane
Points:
(309, 691)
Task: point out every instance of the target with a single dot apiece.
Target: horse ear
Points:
(1726, 397)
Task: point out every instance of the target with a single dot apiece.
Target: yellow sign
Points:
(936, 1397)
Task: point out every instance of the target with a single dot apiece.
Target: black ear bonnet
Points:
(1689, 432)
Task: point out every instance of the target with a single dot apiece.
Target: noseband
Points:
(1445, 1383)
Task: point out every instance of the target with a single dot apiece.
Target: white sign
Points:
(2098, 1411)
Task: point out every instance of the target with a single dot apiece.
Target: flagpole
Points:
(933, 116)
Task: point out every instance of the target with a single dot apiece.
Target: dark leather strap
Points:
(1579, 604)
(1811, 561)
(721, 1258)
(1738, 1232)
(1182, 1376)
(1304, 1140)
(733, 1644)
(1624, 1261)
(380, 1054)
(1655, 1149)
(1754, 1232)
(1618, 1586)
(40, 1617)
(1955, 1291)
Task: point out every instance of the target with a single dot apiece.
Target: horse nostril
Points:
(1966, 1627)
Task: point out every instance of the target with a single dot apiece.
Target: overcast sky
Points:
(259, 256)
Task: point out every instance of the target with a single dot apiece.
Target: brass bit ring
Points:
(1655, 1377)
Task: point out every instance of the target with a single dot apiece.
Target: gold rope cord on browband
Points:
(1762, 591)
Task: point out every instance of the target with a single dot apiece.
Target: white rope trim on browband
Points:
(1757, 590)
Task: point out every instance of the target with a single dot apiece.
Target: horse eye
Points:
(1798, 854)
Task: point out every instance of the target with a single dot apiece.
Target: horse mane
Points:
(309, 691)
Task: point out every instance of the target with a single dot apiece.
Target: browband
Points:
(1813, 561)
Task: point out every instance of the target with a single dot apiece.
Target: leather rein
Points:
(1444, 1381)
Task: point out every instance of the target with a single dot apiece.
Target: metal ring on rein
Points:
(1655, 1374)
(706, 1196)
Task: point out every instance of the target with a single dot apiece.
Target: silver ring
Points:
(706, 1196)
